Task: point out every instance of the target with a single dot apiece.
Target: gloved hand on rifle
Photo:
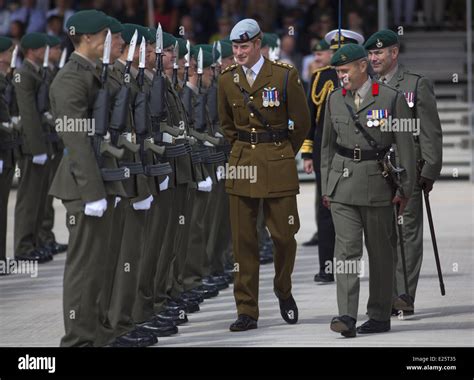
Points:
(96, 208)
(205, 185)
(165, 184)
(426, 184)
(144, 204)
(40, 159)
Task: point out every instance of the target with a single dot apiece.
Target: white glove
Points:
(96, 208)
(205, 185)
(219, 135)
(40, 159)
(144, 204)
(220, 173)
(207, 143)
(1, 166)
(165, 184)
(117, 200)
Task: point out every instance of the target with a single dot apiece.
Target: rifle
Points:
(426, 196)
(143, 124)
(101, 143)
(10, 98)
(158, 97)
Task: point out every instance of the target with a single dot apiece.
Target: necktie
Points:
(249, 77)
(357, 100)
(383, 80)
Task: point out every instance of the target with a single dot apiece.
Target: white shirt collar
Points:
(255, 68)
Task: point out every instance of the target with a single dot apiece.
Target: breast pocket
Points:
(341, 124)
(239, 112)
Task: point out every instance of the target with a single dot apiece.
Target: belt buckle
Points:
(357, 154)
(253, 140)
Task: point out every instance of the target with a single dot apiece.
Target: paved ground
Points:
(30, 308)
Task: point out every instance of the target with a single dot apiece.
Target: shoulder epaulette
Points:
(230, 67)
(282, 64)
(322, 69)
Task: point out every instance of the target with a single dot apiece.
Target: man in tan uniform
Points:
(257, 98)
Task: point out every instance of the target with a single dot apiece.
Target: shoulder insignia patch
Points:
(230, 67)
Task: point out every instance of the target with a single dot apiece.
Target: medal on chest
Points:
(270, 97)
(410, 98)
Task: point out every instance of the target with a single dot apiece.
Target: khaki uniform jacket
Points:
(429, 144)
(361, 183)
(276, 174)
(72, 95)
(33, 134)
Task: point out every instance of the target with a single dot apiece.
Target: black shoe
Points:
(405, 303)
(229, 277)
(157, 328)
(35, 255)
(344, 325)
(178, 318)
(289, 310)
(179, 304)
(55, 247)
(47, 254)
(243, 323)
(135, 338)
(193, 297)
(205, 291)
(323, 278)
(312, 242)
(373, 326)
(218, 282)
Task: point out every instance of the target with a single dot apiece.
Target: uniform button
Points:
(251, 114)
(356, 131)
(253, 146)
(234, 104)
(282, 155)
(251, 98)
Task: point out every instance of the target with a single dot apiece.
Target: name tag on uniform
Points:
(410, 98)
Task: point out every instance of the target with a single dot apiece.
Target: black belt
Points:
(175, 150)
(133, 167)
(158, 169)
(215, 158)
(196, 158)
(358, 154)
(118, 174)
(263, 137)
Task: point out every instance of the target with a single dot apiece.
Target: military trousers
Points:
(46, 234)
(125, 284)
(281, 218)
(155, 233)
(6, 180)
(326, 233)
(376, 224)
(196, 263)
(218, 220)
(412, 228)
(184, 204)
(29, 209)
(86, 262)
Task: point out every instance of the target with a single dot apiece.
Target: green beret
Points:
(208, 48)
(381, 39)
(5, 44)
(115, 25)
(152, 33)
(226, 48)
(34, 40)
(182, 47)
(206, 55)
(89, 21)
(321, 46)
(348, 53)
(168, 40)
(129, 30)
(53, 40)
(270, 39)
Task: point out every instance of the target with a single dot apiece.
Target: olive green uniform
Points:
(276, 175)
(78, 181)
(361, 198)
(428, 147)
(33, 178)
